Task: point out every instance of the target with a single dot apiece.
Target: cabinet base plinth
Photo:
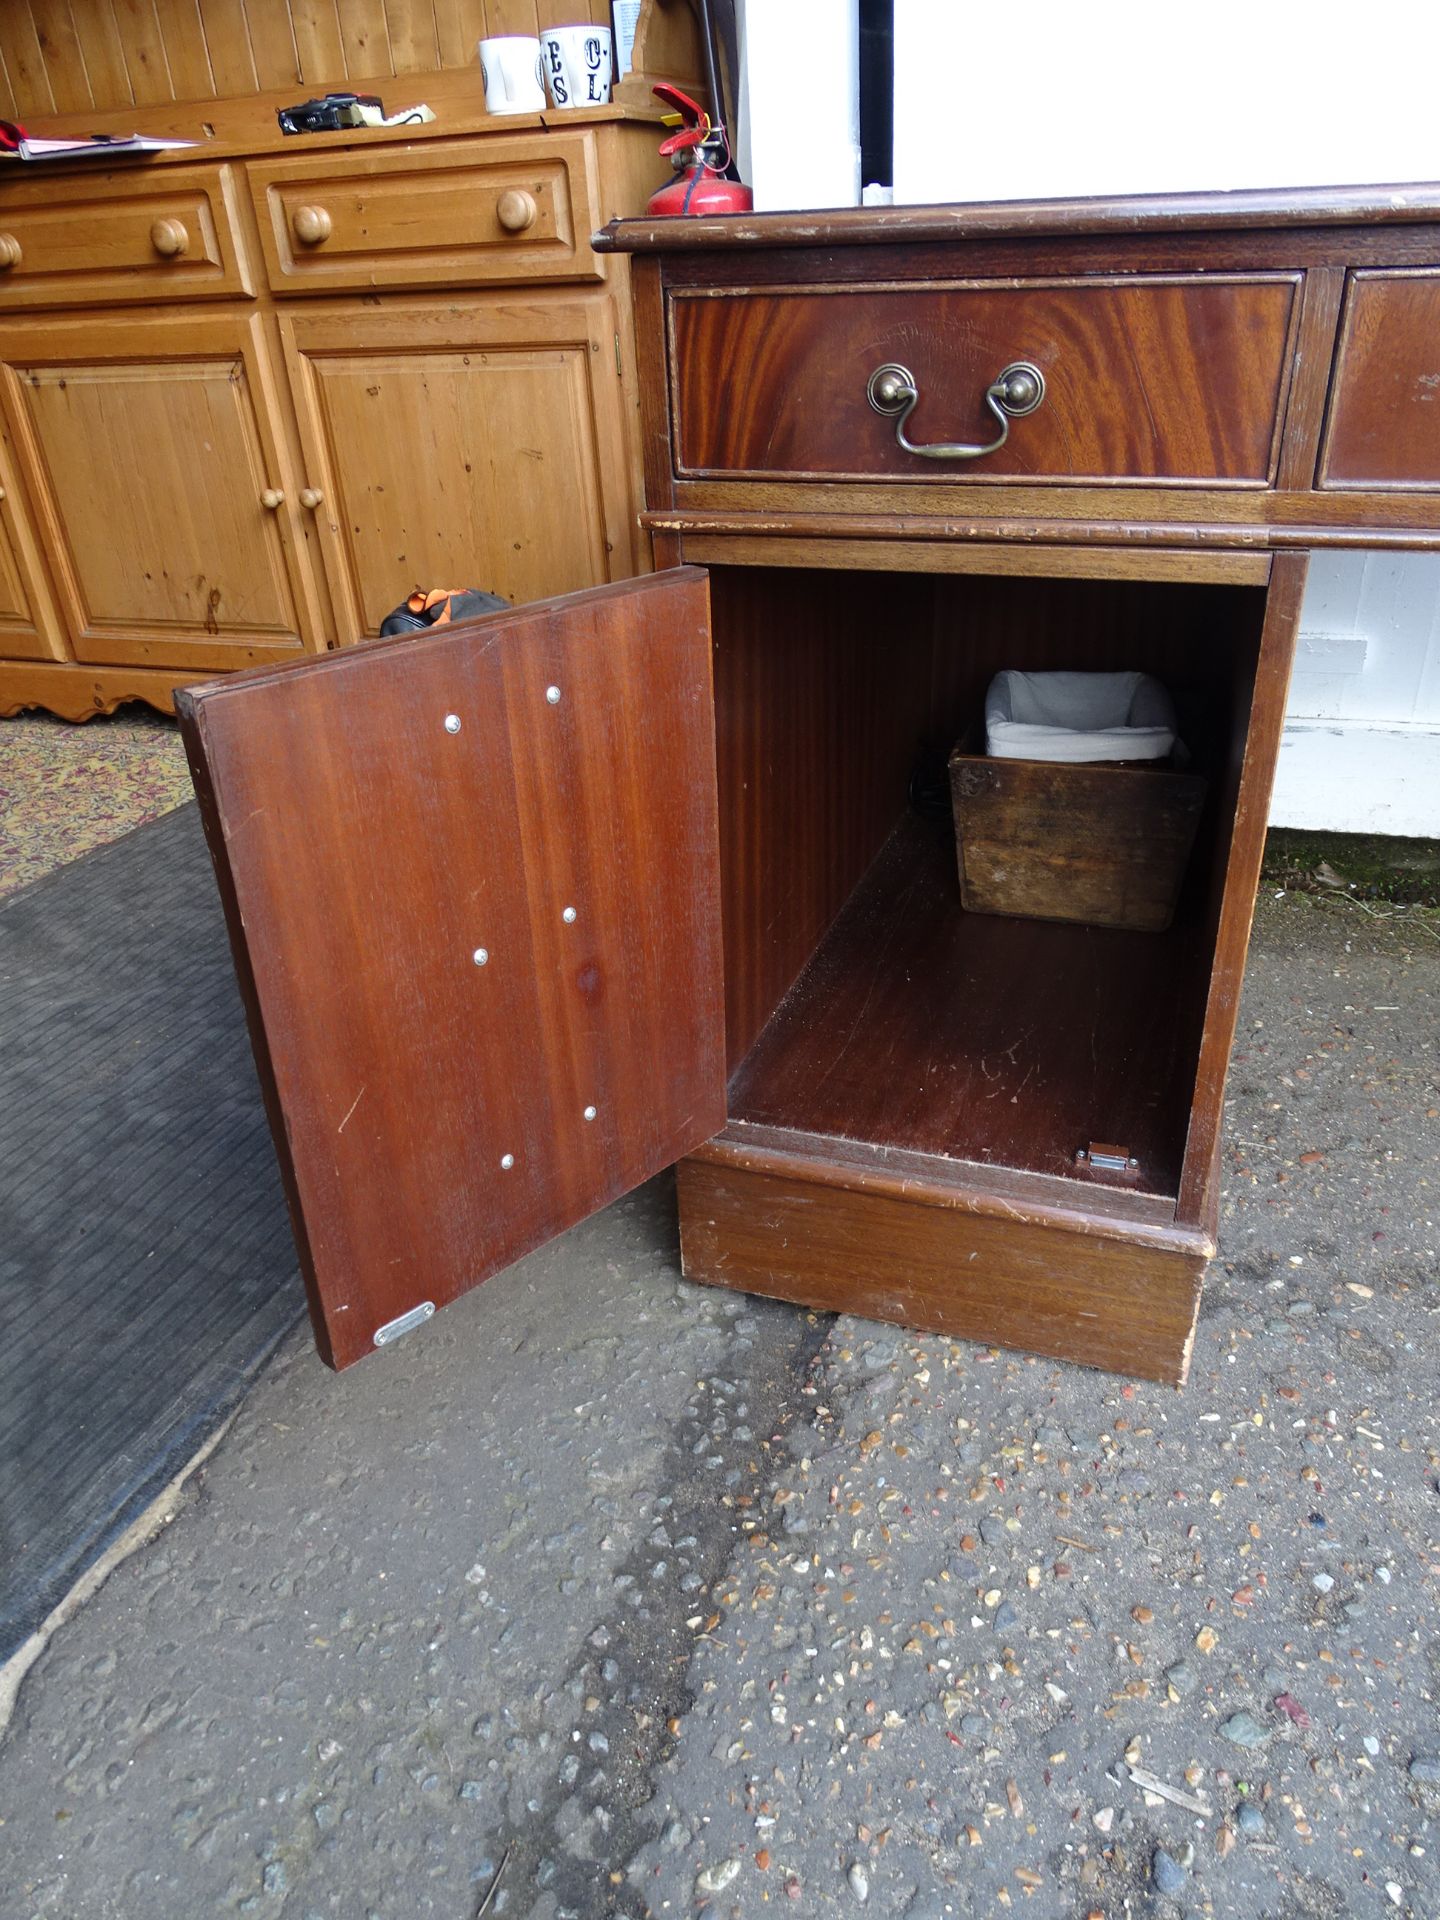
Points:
(1101, 1302)
(76, 692)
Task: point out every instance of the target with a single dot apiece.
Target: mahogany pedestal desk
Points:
(526, 912)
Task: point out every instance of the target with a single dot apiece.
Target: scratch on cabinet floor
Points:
(353, 1104)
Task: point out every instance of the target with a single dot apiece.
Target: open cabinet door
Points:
(472, 884)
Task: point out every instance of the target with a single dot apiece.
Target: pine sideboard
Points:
(255, 391)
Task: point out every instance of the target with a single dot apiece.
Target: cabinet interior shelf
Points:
(864, 1005)
(974, 1037)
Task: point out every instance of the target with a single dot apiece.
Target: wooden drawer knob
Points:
(311, 497)
(9, 250)
(272, 498)
(516, 210)
(312, 225)
(169, 237)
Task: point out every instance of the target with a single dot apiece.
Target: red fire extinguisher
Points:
(700, 153)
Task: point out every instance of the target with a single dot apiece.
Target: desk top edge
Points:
(1151, 213)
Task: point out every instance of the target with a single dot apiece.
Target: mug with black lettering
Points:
(577, 63)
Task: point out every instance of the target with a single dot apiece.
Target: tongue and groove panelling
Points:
(68, 56)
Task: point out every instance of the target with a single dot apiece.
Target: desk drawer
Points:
(1180, 378)
(1384, 424)
(103, 239)
(510, 211)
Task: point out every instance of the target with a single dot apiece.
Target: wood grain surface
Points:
(147, 446)
(366, 854)
(1102, 845)
(1115, 216)
(906, 1027)
(1180, 379)
(1011, 1043)
(1117, 1211)
(476, 443)
(80, 693)
(1384, 423)
(1127, 1307)
(821, 700)
(429, 217)
(60, 56)
(92, 242)
(407, 439)
(1261, 682)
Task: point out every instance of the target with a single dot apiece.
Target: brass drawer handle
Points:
(272, 499)
(9, 250)
(312, 225)
(169, 237)
(310, 498)
(516, 210)
(1017, 391)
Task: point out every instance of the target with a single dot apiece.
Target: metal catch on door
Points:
(407, 1322)
(1100, 1157)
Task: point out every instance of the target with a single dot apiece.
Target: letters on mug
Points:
(564, 85)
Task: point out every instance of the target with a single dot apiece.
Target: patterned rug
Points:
(65, 789)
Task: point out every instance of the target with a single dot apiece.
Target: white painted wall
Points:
(1131, 96)
(1361, 751)
(799, 134)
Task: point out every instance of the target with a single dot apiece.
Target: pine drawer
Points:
(446, 216)
(101, 239)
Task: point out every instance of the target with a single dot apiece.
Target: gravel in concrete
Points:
(608, 1594)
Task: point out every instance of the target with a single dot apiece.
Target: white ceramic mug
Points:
(511, 72)
(577, 63)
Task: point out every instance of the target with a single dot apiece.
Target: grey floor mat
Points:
(146, 1264)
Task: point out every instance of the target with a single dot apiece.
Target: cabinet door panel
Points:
(1384, 422)
(472, 883)
(29, 629)
(149, 452)
(477, 450)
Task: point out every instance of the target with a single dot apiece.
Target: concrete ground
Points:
(607, 1594)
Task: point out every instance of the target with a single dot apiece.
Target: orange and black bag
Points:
(440, 607)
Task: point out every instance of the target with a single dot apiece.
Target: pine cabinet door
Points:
(463, 445)
(472, 884)
(160, 489)
(29, 628)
